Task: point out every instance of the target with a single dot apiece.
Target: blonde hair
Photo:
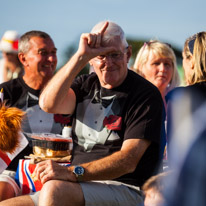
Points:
(160, 49)
(195, 47)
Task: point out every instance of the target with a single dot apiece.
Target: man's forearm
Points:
(56, 93)
(117, 164)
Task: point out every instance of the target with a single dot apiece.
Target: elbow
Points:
(43, 105)
(129, 167)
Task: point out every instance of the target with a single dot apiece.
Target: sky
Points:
(170, 21)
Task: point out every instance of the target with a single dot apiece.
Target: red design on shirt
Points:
(112, 122)
(62, 119)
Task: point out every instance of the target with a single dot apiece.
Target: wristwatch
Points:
(79, 172)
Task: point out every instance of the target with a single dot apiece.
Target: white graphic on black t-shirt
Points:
(38, 121)
(89, 127)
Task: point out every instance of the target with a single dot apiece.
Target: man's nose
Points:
(108, 60)
(52, 57)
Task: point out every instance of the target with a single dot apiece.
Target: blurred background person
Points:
(10, 66)
(156, 62)
(187, 128)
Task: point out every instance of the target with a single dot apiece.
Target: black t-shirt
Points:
(104, 118)
(20, 95)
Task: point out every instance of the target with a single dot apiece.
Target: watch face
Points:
(79, 170)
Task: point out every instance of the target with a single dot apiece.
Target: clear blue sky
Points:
(171, 21)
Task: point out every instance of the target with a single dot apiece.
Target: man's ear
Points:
(22, 59)
(129, 53)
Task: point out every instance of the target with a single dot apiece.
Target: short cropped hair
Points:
(162, 50)
(113, 30)
(24, 45)
(195, 47)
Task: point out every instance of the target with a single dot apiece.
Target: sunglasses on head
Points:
(192, 40)
(148, 43)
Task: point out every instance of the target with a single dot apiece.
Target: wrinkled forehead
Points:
(37, 42)
(112, 41)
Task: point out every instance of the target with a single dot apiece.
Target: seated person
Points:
(117, 120)
(156, 62)
(37, 54)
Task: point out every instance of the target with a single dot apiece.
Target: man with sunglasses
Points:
(116, 126)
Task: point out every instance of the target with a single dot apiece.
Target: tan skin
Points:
(188, 67)
(6, 191)
(62, 99)
(111, 74)
(39, 64)
(158, 70)
(153, 198)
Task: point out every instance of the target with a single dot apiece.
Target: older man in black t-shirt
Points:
(116, 126)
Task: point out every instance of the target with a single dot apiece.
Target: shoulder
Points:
(177, 91)
(14, 88)
(197, 90)
(139, 86)
(84, 81)
(11, 83)
(140, 81)
(86, 77)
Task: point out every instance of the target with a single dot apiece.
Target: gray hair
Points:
(24, 44)
(113, 30)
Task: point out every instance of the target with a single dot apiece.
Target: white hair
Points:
(113, 30)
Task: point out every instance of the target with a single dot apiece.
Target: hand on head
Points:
(91, 44)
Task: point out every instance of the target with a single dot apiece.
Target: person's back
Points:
(187, 146)
(186, 128)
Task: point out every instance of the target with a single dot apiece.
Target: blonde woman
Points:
(156, 62)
